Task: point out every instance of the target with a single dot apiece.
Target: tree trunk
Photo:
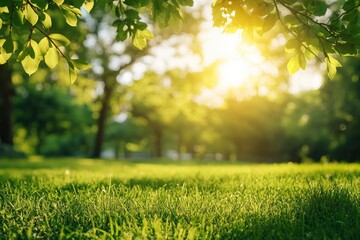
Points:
(101, 122)
(6, 93)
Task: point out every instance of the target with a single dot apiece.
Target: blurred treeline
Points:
(131, 104)
(157, 116)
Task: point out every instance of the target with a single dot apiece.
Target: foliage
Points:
(341, 100)
(27, 28)
(313, 29)
(51, 121)
(73, 198)
(245, 126)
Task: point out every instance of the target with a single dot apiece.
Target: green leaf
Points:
(88, 5)
(132, 14)
(30, 14)
(291, 20)
(121, 35)
(73, 73)
(51, 57)
(34, 49)
(46, 20)
(4, 9)
(4, 56)
(311, 52)
(331, 64)
(44, 45)
(293, 65)
(349, 5)
(30, 65)
(70, 18)
(140, 38)
(72, 9)
(59, 39)
(320, 8)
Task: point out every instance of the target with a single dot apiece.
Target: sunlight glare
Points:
(233, 73)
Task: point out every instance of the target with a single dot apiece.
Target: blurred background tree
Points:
(178, 98)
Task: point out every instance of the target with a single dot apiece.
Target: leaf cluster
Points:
(313, 28)
(26, 32)
(28, 35)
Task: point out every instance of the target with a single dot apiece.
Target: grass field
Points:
(86, 199)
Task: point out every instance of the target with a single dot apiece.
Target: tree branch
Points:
(292, 33)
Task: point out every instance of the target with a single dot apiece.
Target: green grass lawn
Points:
(86, 199)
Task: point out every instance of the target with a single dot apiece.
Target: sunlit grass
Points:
(90, 199)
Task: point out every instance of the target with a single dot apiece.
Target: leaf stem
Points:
(52, 41)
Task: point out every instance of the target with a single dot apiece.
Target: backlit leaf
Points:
(73, 73)
(4, 56)
(46, 20)
(88, 5)
(44, 45)
(30, 65)
(331, 65)
(293, 65)
(30, 15)
(140, 38)
(70, 18)
(59, 39)
(52, 57)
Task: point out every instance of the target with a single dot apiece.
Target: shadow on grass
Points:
(320, 214)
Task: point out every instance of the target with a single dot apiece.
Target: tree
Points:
(6, 93)
(248, 130)
(341, 99)
(314, 28)
(27, 32)
(102, 53)
(30, 29)
(49, 118)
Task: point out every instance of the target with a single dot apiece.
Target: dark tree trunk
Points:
(6, 93)
(101, 122)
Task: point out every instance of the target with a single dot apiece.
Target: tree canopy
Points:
(312, 28)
